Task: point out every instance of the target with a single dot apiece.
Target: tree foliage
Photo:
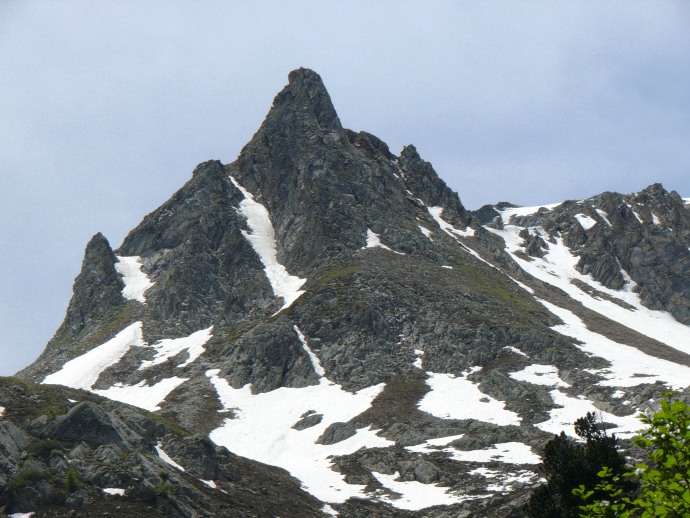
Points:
(664, 482)
(568, 464)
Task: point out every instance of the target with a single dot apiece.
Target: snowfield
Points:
(262, 430)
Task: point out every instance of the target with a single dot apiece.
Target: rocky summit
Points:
(321, 328)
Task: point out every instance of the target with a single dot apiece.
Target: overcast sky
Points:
(106, 107)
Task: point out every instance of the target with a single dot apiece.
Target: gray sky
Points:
(106, 107)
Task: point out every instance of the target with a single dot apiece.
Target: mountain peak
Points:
(306, 95)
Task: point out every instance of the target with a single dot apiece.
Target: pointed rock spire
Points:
(306, 96)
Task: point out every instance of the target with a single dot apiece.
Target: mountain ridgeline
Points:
(321, 328)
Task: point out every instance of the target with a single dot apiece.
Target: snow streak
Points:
(261, 236)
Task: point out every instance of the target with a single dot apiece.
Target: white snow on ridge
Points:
(262, 430)
(585, 221)
(142, 395)
(316, 363)
(136, 281)
(506, 214)
(454, 397)
(449, 229)
(557, 268)
(169, 347)
(262, 238)
(2, 410)
(83, 371)
(538, 374)
(629, 366)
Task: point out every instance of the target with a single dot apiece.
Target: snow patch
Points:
(374, 241)
(540, 375)
(655, 219)
(505, 481)
(506, 214)
(83, 371)
(571, 409)
(114, 491)
(2, 411)
(425, 231)
(316, 363)
(634, 213)
(261, 236)
(418, 362)
(142, 395)
(585, 221)
(415, 495)
(136, 281)
(604, 216)
(209, 483)
(449, 229)
(166, 458)
(516, 350)
(261, 429)
(506, 452)
(456, 397)
(169, 347)
(433, 445)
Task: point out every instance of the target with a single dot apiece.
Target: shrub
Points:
(665, 482)
(72, 483)
(568, 464)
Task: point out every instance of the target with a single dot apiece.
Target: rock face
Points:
(329, 308)
(126, 462)
(644, 237)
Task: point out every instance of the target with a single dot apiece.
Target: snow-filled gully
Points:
(261, 236)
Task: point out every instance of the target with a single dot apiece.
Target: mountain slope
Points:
(329, 308)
